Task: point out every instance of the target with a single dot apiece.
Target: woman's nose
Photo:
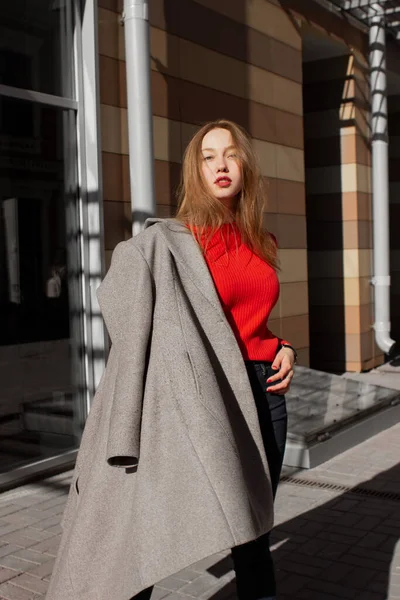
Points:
(222, 166)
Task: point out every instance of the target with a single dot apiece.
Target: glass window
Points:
(40, 318)
(36, 45)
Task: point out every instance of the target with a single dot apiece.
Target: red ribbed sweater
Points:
(248, 289)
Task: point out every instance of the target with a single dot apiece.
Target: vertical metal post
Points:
(140, 120)
(77, 335)
(380, 177)
(90, 202)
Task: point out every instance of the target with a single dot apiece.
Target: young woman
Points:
(183, 446)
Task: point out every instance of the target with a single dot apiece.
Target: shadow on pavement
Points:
(343, 548)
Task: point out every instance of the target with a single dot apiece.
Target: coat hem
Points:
(185, 565)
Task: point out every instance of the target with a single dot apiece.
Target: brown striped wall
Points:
(239, 60)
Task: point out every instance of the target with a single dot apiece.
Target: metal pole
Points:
(380, 178)
(140, 120)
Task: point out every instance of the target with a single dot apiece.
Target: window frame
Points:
(89, 220)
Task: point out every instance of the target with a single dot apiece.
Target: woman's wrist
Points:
(289, 347)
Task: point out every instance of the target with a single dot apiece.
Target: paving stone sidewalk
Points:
(336, 535)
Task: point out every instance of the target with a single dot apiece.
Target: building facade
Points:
(294, 74)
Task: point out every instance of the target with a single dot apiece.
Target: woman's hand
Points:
(283, 364)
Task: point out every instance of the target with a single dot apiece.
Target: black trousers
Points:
(254, 568)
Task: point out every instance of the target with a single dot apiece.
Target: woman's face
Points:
(221, 166)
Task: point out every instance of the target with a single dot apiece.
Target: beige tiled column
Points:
(338, 184)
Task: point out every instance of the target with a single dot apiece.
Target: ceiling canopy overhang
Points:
(365, 11)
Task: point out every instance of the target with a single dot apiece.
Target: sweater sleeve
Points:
(280, 340)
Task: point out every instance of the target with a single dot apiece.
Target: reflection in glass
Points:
(40, 321)
(36, 45)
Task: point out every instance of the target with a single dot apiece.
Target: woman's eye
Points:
(207, 157)
(232, 156)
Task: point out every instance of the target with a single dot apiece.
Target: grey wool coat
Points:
(171, 466)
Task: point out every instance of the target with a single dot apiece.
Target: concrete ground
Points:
(387, 375)
(336, 536)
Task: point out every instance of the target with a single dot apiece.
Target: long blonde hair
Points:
(202, 212)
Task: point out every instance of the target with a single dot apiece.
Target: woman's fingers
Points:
(283, 372)
(283, 363)
(280, 375)
(283, 386)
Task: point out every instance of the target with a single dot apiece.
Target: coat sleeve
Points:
(126, 301)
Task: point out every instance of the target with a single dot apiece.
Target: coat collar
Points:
(185, 249)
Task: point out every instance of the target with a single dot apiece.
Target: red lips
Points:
(223, 178)
(223, 181)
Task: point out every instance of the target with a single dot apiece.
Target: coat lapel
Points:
(188, 253)
(185, 250)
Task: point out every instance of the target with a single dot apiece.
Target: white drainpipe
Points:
(380, 179)
(140, 120)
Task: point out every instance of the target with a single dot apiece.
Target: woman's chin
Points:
(229, 202)
(224, 195)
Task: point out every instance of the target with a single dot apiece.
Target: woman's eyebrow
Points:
(213, 149)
